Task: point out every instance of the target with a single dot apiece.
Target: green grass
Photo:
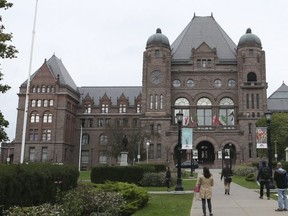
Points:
(84, 176)
(167, 204)
(247, 184)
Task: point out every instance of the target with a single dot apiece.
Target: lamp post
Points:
(147, 144)
(179, 180)
(268, 117)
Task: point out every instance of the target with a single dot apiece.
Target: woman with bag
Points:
(227, 174)
(205, 182)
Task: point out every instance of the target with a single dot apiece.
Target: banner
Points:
(187, 138)
(261, 137)
(195, 154)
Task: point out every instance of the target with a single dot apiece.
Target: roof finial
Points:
(248, 31)
(211, 14)
(158, 30)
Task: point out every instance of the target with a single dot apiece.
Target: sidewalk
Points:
(240, 202)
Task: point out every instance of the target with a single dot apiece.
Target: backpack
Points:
(265, 173)
(286, 179)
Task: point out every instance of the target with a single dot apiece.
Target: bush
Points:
(130, 174)
(43, 210)
(135, 197)
(34, 184)
(243, 170)
(155, 179)
(250, 177)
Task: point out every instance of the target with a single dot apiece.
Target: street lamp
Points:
(268, 117)
(179, 187)
(147, 144)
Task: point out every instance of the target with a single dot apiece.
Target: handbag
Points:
(196, 189)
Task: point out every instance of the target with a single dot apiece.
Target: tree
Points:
(6, 51)
(279, 127)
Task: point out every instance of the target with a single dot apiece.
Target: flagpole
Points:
(27, 90)
(80, 149)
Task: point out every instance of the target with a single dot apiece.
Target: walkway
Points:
(240, 202)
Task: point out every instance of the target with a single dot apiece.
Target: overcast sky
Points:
(101, 43)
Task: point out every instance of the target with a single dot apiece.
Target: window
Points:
(250, 150)
(251, 77)
(161, 102)
(90, 123)
(204, 63)
(250, 128)
(50, 103)
(38, 89)
(43, 89)
(156, 101)
(39, 103)
(48, 89)
(136, 122)
(204, 112)
(44, 154)
(217, 83)
(257, 101)
(157, 53)
(52, 89)
(209, 63)
(102, 157)
(47, 118)
(31, 154)
(158, 153)
(33, 103)
(105, 108)
(46, 135)
(151, 151)
(151, 102)
(33, 89)
(34, 117)
(190, 83)
(226, 112)
(252, 101)
(100, 122)
(139, 108)
(103, 139)
(247, 101)
(198, 63)
(33, 135)
(176, 83)
(85, 139)
(231, 83)
(84, 156)
(45, 103)
(87, 108)
(250, 52)
(182, 106)
(159, 129)
(122, 108)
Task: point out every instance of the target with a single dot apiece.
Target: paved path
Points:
(240, 202)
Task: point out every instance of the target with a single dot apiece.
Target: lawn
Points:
(167, 204)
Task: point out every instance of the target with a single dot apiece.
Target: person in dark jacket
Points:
(168, 178)
(263, 181)
(279, 178)
(227, 174)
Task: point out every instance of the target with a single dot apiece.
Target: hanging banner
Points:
(195, 154)
(261, 137)
(187, 138)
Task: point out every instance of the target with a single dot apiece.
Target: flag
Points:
(214, 120)
(223, 120)
(231, 117)
(185, 120)
(194, 121)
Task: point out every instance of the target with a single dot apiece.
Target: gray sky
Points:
(101, 43)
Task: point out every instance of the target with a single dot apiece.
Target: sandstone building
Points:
(220, 88)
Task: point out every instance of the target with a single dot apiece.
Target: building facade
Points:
(220, 88)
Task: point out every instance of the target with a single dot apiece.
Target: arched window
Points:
(47, 117)
(151, 102)
(43, 89)
(226, 111)
(251, 77)
(204, 112)
(105, 108)
(87, 108)
(103, 139)
(156, 101)
(122, 108)
(139, 108)
(39, 103)
(45, 103)
(182, 106)
(48, 89)
(33, 103)
(34, 118)
(34, 89)
(161, 102)
(85, 139)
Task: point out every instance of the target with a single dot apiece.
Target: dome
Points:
(157, 39)
(249, 40)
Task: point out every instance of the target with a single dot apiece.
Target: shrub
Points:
(43, 210)
(243, 170)
(250, 177)
(135, 197)
(155, 179)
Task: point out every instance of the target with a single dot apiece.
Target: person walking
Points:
(263, 177)
(279, 177)
(168, 178)
(205, 182)
(227, 174)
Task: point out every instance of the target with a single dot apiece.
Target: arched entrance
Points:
(205, 152)
(231, 151)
